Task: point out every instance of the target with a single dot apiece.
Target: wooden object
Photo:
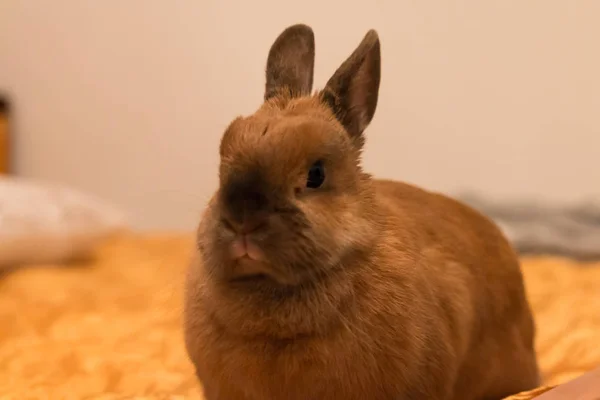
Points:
(586, 387)
(530, 394)
(4, 136)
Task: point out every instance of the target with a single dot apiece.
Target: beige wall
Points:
(128, 98)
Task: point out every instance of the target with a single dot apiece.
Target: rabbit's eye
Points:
(316, 175)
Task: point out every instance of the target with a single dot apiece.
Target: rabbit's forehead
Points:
(282, 147)
(290, 138)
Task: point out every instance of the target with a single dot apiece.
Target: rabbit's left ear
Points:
(291, 62)
(353, 89)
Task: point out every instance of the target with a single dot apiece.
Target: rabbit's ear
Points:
(291, 62)
(353, 89)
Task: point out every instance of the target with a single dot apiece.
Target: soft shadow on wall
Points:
(129, 102)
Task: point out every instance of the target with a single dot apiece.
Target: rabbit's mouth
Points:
(246, 268)
(247, 259)
(244, 247)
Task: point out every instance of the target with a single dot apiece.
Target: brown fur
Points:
(370, 289)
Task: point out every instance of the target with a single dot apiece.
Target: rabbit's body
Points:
(434, 310)
(350, 288)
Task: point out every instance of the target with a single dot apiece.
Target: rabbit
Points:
(313, 280)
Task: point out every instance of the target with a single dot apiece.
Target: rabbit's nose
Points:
(252, 224)
(248, 224)
(244, 199)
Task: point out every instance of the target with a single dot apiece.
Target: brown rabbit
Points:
(314, 281)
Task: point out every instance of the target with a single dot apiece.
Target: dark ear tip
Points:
(298, 31)
(371, 38)
(299, 28)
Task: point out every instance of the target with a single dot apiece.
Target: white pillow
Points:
(48, 223)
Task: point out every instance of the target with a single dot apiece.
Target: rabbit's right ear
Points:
(291, 62)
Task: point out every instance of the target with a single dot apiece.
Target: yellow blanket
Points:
(111, 328)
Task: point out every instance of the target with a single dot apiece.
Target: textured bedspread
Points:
(111, 328)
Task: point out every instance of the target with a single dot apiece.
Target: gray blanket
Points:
(536, 228)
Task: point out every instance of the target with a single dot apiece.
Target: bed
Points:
(109, 327)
